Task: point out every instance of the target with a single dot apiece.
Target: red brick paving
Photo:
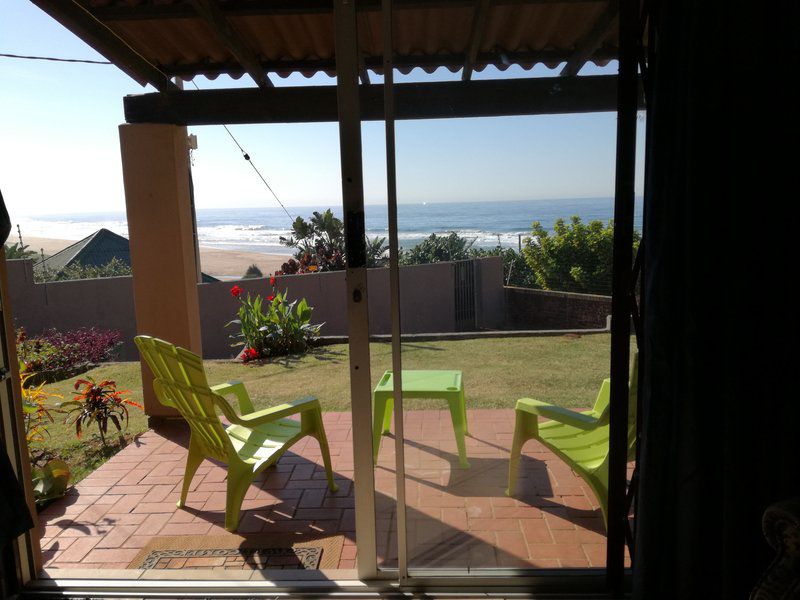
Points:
(456, 518)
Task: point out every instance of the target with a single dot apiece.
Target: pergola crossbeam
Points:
(475, 37)
(587, 47)
(77, 19)
(214, 17)
(315, 104)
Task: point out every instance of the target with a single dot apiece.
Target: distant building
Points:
(96, 250)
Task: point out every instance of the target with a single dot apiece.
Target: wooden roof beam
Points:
(363, 74)
(316, 104)
(592, 41)
(218, 22)
(479, 19)
(83, 24)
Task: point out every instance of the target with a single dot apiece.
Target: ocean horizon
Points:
(488, 223)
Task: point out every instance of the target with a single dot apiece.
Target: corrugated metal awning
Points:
(178, 38)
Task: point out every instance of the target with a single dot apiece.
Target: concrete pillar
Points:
(155, 168)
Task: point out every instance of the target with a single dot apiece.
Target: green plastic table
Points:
(446, 385)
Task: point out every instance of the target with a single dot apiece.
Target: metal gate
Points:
(464, 279)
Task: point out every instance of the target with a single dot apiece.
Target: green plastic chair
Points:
(252, 442)
(580, 439)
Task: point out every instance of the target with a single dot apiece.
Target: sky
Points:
(59, 144)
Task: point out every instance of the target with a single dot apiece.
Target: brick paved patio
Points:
(456, 518)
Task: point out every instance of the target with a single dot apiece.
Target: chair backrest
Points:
(180, 382)
(196, 405)
(170, 362)
(602, 406)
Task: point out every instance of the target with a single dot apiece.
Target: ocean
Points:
(259, 229)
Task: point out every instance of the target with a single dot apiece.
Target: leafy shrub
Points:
(576, 258)
(62, 354)
(437, 248)
(99, 403)
(320, 246)
(516, 271)
(113, 268)
(272, 326)
(253, 272)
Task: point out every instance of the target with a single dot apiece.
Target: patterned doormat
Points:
(238, 552)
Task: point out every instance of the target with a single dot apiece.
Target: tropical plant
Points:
(437, 248)
(18, 250)
(36, 416)
(272, 326)
(576, 258)
(253, 272)
(50, 481)
(50, 478)
(98, 403)
(113, 268)
(320, 246)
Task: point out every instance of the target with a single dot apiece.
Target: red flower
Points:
(249, 354)
(236, 291)
(270, 298)
(272, 280)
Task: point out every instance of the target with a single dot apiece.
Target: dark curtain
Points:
(721, 389)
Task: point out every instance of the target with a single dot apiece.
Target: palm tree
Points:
(376, 251)
(18, 250)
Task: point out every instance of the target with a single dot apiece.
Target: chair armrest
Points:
(273, 413)
(557, 413)
(236, 388)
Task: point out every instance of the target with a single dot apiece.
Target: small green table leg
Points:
(459, 418)
(381, 418)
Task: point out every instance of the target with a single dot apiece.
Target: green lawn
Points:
(565, 370)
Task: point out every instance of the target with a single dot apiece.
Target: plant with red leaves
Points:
(99, 403)
(63, 354)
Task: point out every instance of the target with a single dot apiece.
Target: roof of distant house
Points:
(96, 250)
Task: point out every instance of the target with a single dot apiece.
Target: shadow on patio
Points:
(456, 518)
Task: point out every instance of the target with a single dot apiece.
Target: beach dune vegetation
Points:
(319, 246)
(253, 272)
(438, 248)
(575, 257)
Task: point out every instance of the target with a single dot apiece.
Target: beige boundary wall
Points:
(427, 302)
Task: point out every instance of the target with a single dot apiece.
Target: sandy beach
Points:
(213, 261)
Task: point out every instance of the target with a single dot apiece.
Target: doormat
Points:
(238, 552)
